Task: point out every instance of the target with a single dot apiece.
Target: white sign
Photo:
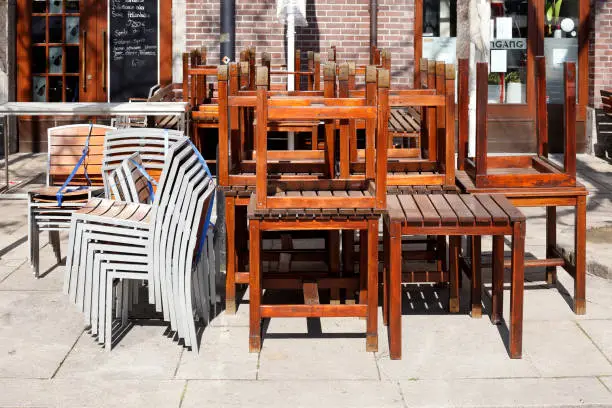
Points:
(499, 62)
(504, 27)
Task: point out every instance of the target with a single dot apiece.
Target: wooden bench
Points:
(454, 215)
(530, 180)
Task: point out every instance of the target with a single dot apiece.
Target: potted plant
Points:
(553, 10)
(515, 90)
(494, 87)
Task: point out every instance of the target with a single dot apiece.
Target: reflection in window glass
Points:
(508, 28)
(55, 29)
(72, 60)
(72, 30)
(55, 60)
(561, 19)
(39, 89)
(72, 89)
(55, 89)
(56, 6)
(39, 6)
(440, 30)
(39, 60)
(72, 6)
(39, 28)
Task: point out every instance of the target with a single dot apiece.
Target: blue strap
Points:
(210, 206)
(150, 181)
(60, 193)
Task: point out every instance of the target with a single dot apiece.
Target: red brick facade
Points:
(600, 50)
(344, 23)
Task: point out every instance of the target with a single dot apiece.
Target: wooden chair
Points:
(130, 241)
(47, 212)
(331, 204)
(200, 94)
(530, 180)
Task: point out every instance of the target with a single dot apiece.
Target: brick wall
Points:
(344, 23)
(600, 50)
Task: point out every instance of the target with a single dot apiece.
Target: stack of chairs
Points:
(330, 203)
(113, 243)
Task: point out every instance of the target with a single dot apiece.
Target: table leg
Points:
(551, 242)
(230, 277)
(476, 280)
(395, 292)
(363, 266)
(255, 287)
(517, 289)
(580, 257)
(372, 320)
(498, 279)
(333, 250)
(454, 242)
(386, 272)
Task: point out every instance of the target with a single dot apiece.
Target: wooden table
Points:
(454, 215)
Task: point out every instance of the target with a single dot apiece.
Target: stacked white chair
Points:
(115, 242)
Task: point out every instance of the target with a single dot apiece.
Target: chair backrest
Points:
(184, 183)
(151, 143)
(66, 145)
(129, 183)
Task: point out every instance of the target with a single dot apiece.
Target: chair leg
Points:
(230, 279)
(517, 290)
(35, 249)
(551, 242)
(476, 278)
(372, 319)
(108, 340)
(333, 249)
(255, 287)
(395, 292)
(454, 273)
(54, 240)
(580, 251)
(386, 272)
(363, 266)
(498, 280)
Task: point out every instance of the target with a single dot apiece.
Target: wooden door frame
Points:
(535, 46)
(23, 47)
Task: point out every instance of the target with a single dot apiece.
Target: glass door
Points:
(61, 55)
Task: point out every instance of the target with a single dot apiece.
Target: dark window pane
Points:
(72, 30)
(55, 89)
(72, 6)
(56, 6)
(72, 89)
(55, 60)
(72, 60)
(39, 6)
(39, 60)
(55, 29)
(39, 25)
(39, 89)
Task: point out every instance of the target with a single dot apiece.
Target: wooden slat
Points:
(447, 215)
(464, 215)
(481, 215)
(497, 214)
(514, 213)
(411, 210)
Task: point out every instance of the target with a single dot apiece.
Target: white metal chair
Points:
(184, 194)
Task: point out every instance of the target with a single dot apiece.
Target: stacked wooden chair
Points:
(330, 203)
(237, 164)
(200, 93)
(529, 180)
(73, 177)
(114, 242)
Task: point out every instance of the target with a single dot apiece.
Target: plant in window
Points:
(553, 10)
(494, 78)
(513, 77)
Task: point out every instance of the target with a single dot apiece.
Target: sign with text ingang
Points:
(509, 44)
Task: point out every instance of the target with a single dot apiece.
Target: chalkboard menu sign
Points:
(133, 43)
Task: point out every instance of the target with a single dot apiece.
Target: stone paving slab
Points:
(143, 353)
(224, 354)
(515, 392)
(600, 332)
(450, 346)
(90, 393)
(308, 393)
(37, 331)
